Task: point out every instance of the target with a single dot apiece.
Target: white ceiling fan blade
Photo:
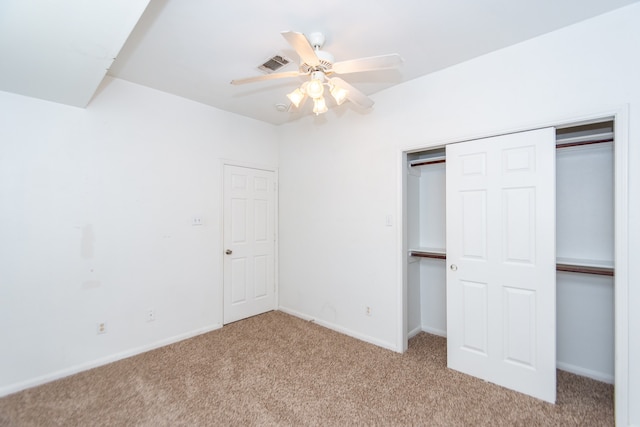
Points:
(367, 64)
(299, 42)
(266, 77)
(353, 94)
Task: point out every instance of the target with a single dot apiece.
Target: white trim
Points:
(433, 331)
(621, 259)
(594, 375)
(249, 165)
(561, 122)
(414, 332)
(620, 115)
(402, 340)
(337, 328)
(14, 388)
(427, 330)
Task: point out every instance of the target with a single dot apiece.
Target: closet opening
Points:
(585, 287)
(585, 246)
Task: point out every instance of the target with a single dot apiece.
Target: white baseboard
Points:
(433, 331)
(583, 372)
(412, 333)
(594, 375)
(14, 388)
(340, 329)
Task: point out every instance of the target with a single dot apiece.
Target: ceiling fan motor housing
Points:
(316, 40)
(325, 59)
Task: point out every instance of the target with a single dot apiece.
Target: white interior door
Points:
(249, 242)
(501, 274)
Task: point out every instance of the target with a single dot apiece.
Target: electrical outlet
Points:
(151, 315)
(367, 311)
(101, 328)
(197, 220)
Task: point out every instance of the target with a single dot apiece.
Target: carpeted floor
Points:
(275, 369)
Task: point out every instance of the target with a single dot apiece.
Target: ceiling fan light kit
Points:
(320, 66)
(315, 88)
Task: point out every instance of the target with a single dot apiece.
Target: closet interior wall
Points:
(584, 238)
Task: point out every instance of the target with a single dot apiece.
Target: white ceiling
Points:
(60, 50)
(194, 48)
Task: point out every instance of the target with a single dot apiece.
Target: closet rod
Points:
(559, 145)
(428, 162)
(425, 254)
(578, 143)
(601, 271)
(570, 268)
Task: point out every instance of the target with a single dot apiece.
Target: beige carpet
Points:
(275, 369)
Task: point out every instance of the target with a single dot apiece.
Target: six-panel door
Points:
(249, 242)
(501, 260)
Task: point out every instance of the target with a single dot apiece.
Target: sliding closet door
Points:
(501, 260)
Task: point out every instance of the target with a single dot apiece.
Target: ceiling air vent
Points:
(274, 64)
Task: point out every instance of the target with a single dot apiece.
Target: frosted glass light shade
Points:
(339, 94)
(296, 97)
(319, 105)
(315, 88)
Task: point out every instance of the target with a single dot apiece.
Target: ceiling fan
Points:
(319, 65)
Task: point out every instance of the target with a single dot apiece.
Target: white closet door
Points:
(501, 275)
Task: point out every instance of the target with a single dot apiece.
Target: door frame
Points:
(620, 116)
(221, 254)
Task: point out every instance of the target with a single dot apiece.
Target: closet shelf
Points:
(560, 143)
(568, 144)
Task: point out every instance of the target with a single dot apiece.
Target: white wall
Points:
(95, 225)
(340, 173)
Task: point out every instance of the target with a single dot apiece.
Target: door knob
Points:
(228, 252)
(453, 267)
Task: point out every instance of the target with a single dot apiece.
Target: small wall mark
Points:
(87, 242)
